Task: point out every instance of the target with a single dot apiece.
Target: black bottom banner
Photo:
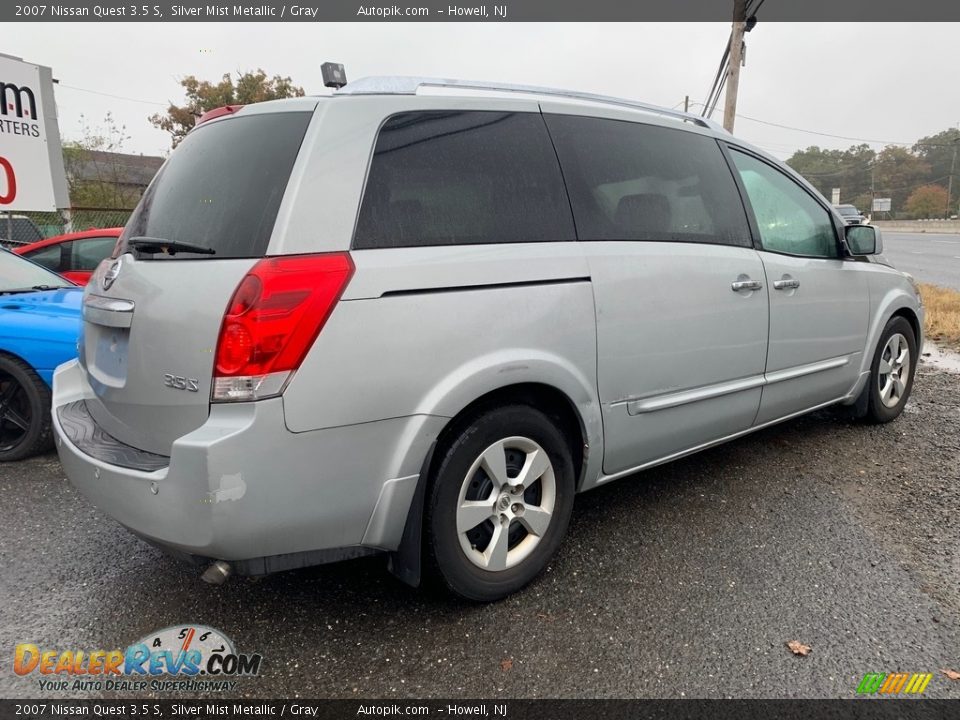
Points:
(486, 709)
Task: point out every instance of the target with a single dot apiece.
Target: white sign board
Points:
(835, 196)
(31, 160)
(881, 205)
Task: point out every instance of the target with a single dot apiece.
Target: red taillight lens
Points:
(275, 314)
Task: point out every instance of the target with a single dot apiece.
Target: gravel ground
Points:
(685, 581)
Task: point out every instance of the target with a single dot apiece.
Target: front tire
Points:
(24, 411)
(500, 503)
(892, 371)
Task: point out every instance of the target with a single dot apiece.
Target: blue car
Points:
(39, 326)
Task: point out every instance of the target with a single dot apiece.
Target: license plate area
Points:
(106, 353)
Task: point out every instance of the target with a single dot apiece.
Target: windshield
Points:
(17, 273)
(221, 189)
(848, 210)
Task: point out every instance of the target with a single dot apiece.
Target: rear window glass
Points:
(222, 186)
(630, 181)
(452, 177)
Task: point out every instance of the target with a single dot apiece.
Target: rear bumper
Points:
(243, 488)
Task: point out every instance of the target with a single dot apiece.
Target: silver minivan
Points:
(416, 317)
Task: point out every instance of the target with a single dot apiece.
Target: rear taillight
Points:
(275, 314)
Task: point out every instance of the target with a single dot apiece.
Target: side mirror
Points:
(863, 240)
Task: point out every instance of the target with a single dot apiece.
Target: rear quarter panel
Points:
(450, 337)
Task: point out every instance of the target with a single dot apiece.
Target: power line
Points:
(844, 137)
(109, 95)
(824, 134)
(718, 81)
(832, 135)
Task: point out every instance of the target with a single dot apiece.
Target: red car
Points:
(75, 255)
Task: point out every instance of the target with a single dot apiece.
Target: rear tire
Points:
(892, 371)
(24, 411)
(499, 503)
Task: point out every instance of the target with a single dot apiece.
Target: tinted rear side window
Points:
(222, 186)
(88, 253)
(448, 178)
(50, 257)
(630, 181)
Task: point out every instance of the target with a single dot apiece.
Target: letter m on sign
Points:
(12, 98)
(871, 683)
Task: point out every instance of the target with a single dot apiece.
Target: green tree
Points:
(937, 151)
(848, 170)
(95, 177)
(202, 95)
(897, 173)
(927, 201)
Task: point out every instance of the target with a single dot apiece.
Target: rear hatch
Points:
(152, 314)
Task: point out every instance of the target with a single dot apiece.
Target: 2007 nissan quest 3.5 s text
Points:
(418, 316)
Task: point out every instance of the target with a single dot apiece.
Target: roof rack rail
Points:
(406, 85)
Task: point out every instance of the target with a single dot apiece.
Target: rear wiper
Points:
(32, 288)
(151, 246)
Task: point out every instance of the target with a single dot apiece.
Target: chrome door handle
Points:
(786, 284)
(746, 285)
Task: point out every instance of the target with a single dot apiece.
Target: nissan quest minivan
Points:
(417, 317)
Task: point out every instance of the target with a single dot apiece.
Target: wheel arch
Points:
(406, 562)
(554, 403)
(911, 317)
(895, 302)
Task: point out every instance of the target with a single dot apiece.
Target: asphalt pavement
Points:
(684, 581)
(929, 257)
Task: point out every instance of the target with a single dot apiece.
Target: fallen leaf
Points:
(506, 664)
(952, 674)
(798, 648)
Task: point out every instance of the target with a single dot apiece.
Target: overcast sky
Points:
(884, 82)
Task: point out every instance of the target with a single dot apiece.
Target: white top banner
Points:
(31, 160)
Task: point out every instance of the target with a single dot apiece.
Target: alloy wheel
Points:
(894, 370)
(506, 503)
(15, 412)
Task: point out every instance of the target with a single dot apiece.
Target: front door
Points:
(819, 301)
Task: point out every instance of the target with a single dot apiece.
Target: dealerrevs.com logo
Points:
(188, 658)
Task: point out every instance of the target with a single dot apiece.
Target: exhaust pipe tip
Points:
(218, 573)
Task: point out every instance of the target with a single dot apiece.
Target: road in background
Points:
(687, 580)
(930, 258)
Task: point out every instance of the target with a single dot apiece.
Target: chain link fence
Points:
(27, 227)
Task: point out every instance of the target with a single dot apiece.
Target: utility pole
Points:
(686, 103)
(736, 59)
(953, 164)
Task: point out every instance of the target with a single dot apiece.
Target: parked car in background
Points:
(18, 230)
(850, 215)
(39, 324)
(515, 295)
(75, 255)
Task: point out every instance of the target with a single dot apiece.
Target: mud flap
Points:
(405, 563)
